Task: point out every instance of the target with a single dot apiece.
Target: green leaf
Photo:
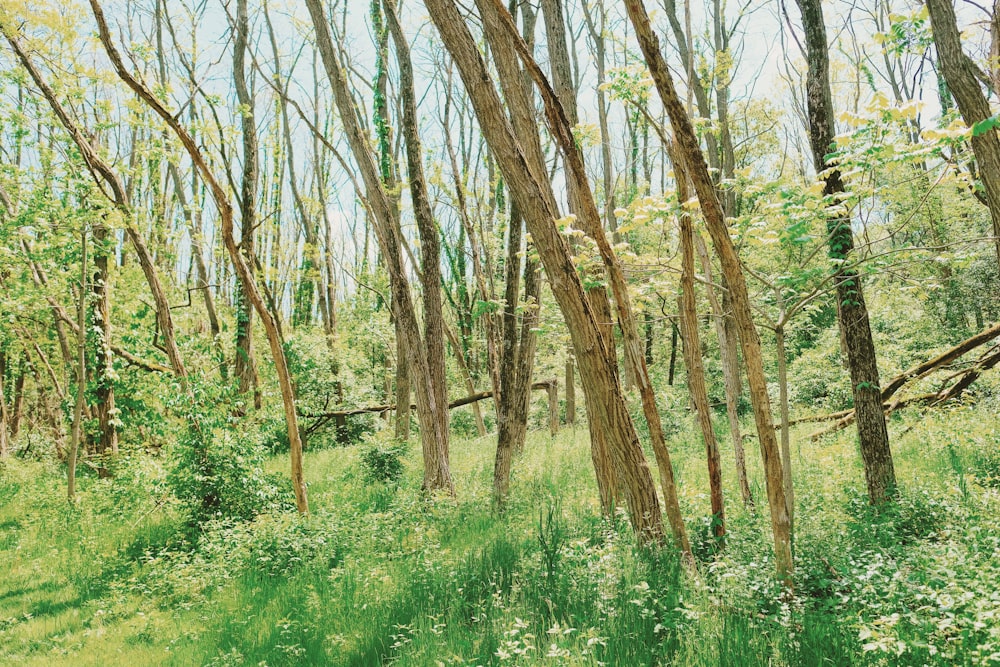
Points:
(984, 126)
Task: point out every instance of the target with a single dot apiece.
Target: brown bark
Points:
(696, 373)
(880, 475)
(247, 379)
(694, 162)
(569, 381)
(728, 355)
(404, 387)
(533, 193)
(243, 270)
(430, 245)
(581, 199)
(431, 411)
(517, 354)
(960, 74)
(81, 373)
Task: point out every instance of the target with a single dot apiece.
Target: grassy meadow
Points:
(378, 575)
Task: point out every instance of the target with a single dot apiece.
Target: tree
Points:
(431, 394)
(960, 73)
(532, 191)
(694, 164)
(862, 363)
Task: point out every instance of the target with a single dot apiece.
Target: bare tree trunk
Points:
(433, 425)
(872, 432)
(246, 364)
(81, 372)
(430, 245)
(570, 382)
(531, 189)
(960, 74)
(696, 371)
(730, 369)
(786, 445)
(403, 391)
(694, 162)
(582, 203)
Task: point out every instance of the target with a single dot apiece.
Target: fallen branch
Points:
(916, 373)
(966, 378)
(457, 403)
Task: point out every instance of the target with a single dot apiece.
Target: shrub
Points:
(218, 469)
(382, 459)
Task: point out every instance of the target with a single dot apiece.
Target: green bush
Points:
(218, 469)
(381, 459)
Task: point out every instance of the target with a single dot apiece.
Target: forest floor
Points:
(377, 575)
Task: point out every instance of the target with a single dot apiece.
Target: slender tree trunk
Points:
(403, 391)
(532, 190)
(570, 382)
(81, 372)
(786, 445)
(694, 164)
(104, 371)
(696, 372)
(583, 205)
(433, 425)
(246, 363)
(872, 432)
(430, 245)
(730, 369)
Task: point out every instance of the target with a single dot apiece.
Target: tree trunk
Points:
(730, 368)
(104, 369)
(433, 425)
(872, 432)
(786, 445)
(531, 189)
(694, 164)
(246, 364)
(81, 372)
(696, 371)
(960, 74)
(570, 382)
(403, 390)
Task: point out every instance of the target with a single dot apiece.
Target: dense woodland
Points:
(538, 332)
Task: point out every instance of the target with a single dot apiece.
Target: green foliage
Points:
(218, 463)
(381, 459)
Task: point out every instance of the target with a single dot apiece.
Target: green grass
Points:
(379, 575)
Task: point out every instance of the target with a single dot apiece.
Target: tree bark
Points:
(246, 364)
(533, 193)
(583, 205)
(959, 73)
(880, 475)
(694, 163)
(730, 369)
(433, 425)
(696, 374)
(81, 373)
(104, 370)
